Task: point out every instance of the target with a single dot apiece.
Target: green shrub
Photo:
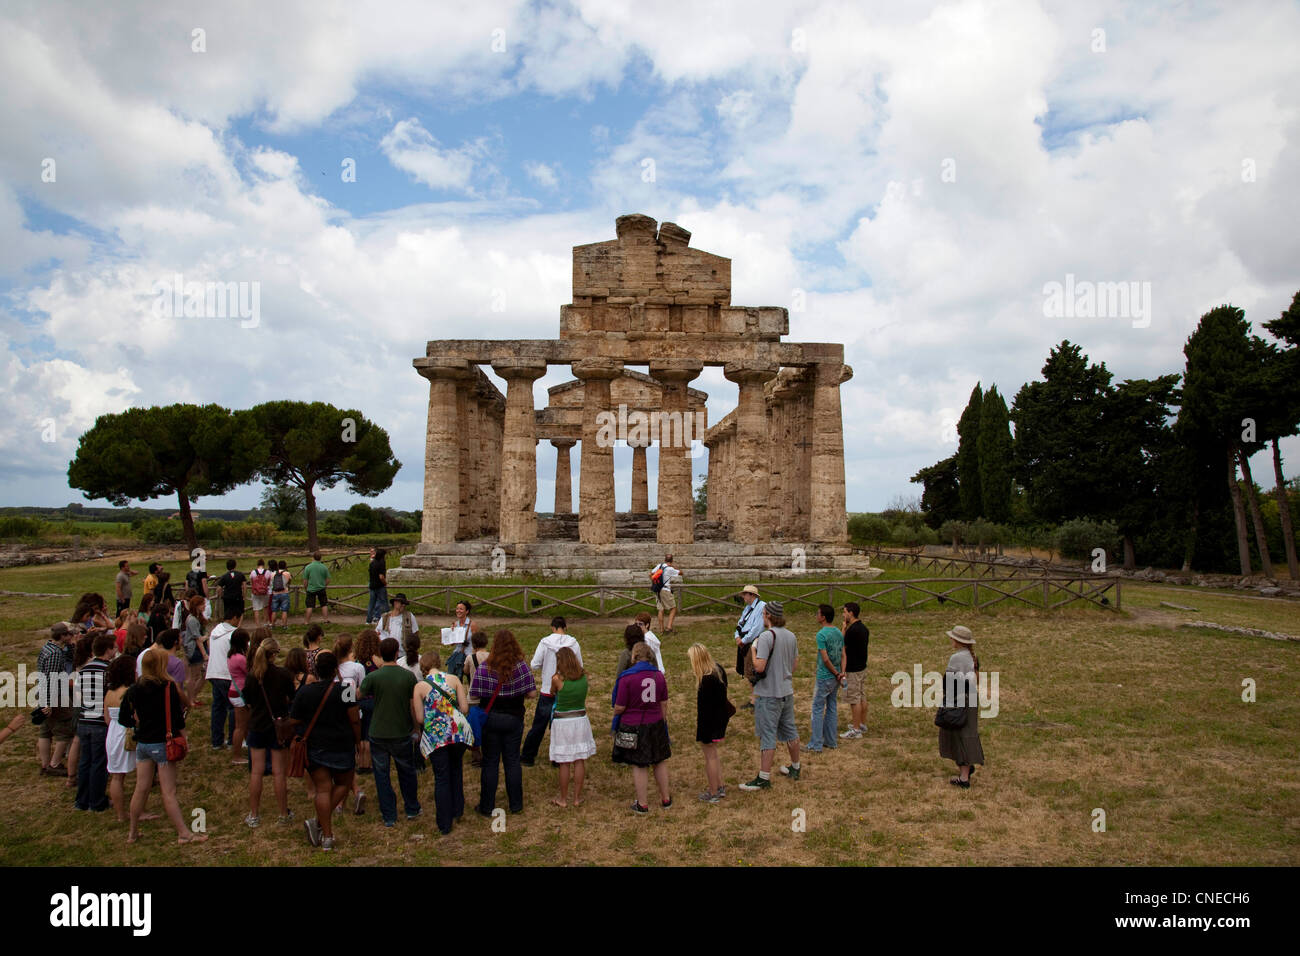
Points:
(19, 527)
(869, 529)
(913, 535)
(1077, 539)
(248, 532)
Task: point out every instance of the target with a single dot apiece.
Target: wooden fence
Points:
(976, 567)
(526, 600)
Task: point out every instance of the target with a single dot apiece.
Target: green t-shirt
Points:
(392, 687)
(317, 576)
(831, 641)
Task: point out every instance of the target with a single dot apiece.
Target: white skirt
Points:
(119, 760)
(571, 739)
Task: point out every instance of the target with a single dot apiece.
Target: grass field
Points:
(1097, 709)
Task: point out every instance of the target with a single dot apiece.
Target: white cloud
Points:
(541, 174)
(412, 149)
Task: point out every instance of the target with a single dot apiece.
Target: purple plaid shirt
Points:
(485, 682)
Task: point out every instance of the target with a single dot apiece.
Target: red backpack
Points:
(260, 581)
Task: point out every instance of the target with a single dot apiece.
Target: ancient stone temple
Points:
(647, 300)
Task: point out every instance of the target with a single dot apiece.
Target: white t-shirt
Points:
(654, 646)
(545, 657)
(350, 672)
(394, 630)
(413, 668)
(219, 652)
(671, 575)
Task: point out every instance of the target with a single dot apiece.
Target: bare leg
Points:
(74, 756)
(258, 758)
(115, 794)
(563, 799)
(321, 778)
(712, 767)
(661, 781)
(794, 750)
(167, 774)
(640, 779)
(43, 751)
(144, 771)
(579, 777)
(765, 760)
(241, 732)
(280, 779)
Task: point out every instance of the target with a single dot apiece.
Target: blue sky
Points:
(916, 172)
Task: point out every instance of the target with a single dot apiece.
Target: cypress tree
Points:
(968, 460)
(994, 451)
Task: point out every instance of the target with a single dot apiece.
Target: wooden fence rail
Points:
(527, 600)
(980, 567)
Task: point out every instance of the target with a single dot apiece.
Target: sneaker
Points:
(722, 791)
(313, 832)
(359, 805)
(748, 706)
(415, 815)
(708, 796)
(327, 843)
(253, 822)
(638, 809)
(287, 818)
(758, 783)
(666, 803)
(790, 771)
(716, 798)
(851, 734)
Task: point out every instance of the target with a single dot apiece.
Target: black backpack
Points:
(657, 583)
(277, 582)
(192, 581)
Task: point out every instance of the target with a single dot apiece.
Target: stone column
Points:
(518, 522)
(640, 479)
(676, 504)
(465, 410)
(828, 520)
(563, 476)
(442, 453)
(714, 484)
(596, 471)
(752, 519)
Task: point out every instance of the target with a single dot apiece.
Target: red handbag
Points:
(177, 746)
(298, 748)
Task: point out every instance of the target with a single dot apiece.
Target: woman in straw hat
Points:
(962, 746)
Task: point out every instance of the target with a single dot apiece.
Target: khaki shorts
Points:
(854, 682)
(60, 724)
(665, 601)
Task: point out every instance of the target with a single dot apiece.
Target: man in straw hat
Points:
(776, 652)
(748, 628)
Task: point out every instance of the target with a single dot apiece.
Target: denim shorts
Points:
(280, 602)
(336, 761)
(774, 720)
(155, 752)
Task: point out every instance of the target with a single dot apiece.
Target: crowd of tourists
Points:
(377, 704)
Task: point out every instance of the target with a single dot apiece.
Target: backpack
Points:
(277, 582)
(259, 583)
(657, 579)
(192, 579)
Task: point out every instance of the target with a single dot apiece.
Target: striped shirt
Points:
(91, 682)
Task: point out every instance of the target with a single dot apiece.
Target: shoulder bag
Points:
(284, 732)
(478, 715)
(298, 749)
(177, 745)
(751, 674)
(950, 718)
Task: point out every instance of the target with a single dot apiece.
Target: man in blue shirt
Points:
(748, 628)
(830, 674)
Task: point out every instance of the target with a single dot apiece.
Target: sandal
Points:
(959, 782)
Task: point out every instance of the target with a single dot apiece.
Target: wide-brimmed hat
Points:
(962, 635)
(749, 589)
(400, 597)
(774, 608)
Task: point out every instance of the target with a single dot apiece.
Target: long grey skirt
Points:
(963, 746)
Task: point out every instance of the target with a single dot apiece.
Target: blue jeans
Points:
(448, 784)
(500, 742)
(223, 714)
(378, 605)
(92, 766)
(541, 720)
(383, 752)
(825, 715)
